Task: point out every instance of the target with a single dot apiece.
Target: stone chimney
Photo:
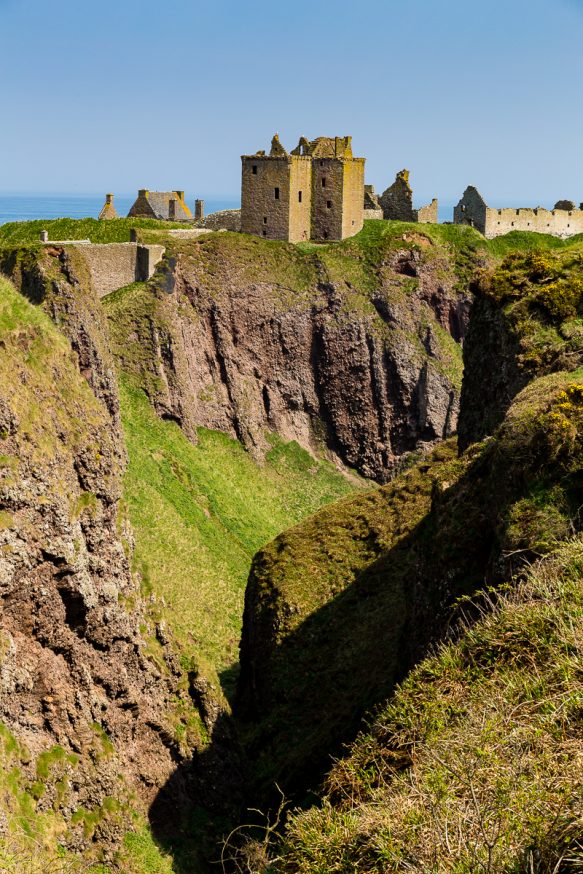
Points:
(199, 209)
(44, 236)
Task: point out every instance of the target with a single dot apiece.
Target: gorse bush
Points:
(549, 281)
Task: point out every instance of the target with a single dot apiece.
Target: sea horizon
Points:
(28, 206)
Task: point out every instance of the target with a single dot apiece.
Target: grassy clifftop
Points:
(110, 231)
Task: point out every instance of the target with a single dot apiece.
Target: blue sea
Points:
(25, 207)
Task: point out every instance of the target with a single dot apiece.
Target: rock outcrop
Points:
(87, 691)
(355, 358)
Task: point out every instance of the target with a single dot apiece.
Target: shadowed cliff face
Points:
(248, 337)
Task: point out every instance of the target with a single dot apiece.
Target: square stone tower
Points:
(315, 192)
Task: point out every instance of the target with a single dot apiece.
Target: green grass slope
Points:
(476, 765)
(200, 512)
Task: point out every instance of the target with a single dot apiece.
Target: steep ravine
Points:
(340, 608)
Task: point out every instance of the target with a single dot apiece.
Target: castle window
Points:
(264, 219)
(277, 193)
(329, 204)
(264, 233)
(323, 182)
(255, 169)
(299, 196)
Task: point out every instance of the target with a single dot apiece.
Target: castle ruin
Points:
(316, 191)
(108, 210)
(565, 220)
(396, 203)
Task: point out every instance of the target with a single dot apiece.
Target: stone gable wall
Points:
(471, 210)
(429, 214)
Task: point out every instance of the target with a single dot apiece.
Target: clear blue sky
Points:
(112, 96)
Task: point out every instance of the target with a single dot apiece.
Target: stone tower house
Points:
(314, 192)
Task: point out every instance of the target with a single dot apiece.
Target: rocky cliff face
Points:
(87, 692)
(347, 352)
(58, 278)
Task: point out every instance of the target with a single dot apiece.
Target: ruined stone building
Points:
(166, 205)
(108, 209)
(396, 203)
(372, 207)
(565, 220)
(316, 191)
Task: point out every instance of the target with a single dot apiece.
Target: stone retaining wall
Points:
(113, 265)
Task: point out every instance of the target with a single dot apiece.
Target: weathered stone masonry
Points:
(113, 265)
(565, 220)
(396, 203)
(314, 192)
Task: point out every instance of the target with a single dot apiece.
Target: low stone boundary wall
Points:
(372, 214)
(113, 265)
